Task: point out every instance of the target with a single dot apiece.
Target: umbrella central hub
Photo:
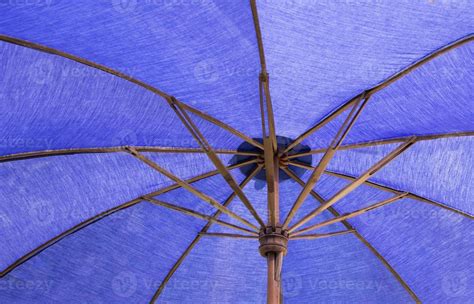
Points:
(273, 239)
(284, 161)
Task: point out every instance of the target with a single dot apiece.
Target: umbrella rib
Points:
(383, 261)
(191, 189)
(351, 214)
(258, 33)
(320, 235)
(221, 124)
(228, 235)
(398, 192)
(328, 155)
(186, 252)
(359, 236)
(356, 183)
(386, 142)
(381, 86)
(66, 233)
(121, 75)
(268, 120)
(73, 151)
(106, 213)
(384, 84)
(199, 137)
(270, 151)
(385, 188)
(202, 176)
(196, 214)
(274, 260)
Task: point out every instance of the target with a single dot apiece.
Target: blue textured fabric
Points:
(219, 271)
(121, 259)
(203, 52)
(43, 197)
(48, 102)
(439, 169)
(422, 241)
(66, 190)
(215, 187)
(361, 197)
(257, 193)
(436, 98)
(319, 55)
(342, 270)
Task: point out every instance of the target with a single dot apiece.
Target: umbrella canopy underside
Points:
(134, 168)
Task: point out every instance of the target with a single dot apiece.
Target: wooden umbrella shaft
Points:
(273, 279)
(273, 246)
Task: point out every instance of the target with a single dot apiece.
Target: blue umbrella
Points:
(200, 151)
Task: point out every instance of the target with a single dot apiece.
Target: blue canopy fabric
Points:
(132, 150)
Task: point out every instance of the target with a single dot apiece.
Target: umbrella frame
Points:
(272, 235)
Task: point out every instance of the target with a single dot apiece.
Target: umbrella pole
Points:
(273, 246)
(273, 283)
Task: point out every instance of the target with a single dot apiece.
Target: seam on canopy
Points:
(388, 189)
(45, 49)
(382, 260)
(418, 63)
(398, 192)
(73, 151)
(387, 141)
(348, 226)
(106, 213)
(198, 237)
(66, 233)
